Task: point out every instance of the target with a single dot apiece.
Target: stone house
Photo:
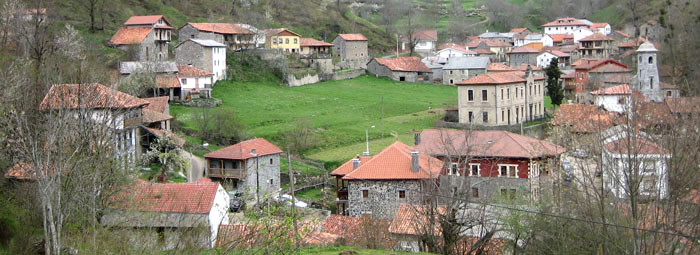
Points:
(207, 55)
(127, 68)
(614, 99)
(156, 123)
(170, 215)
(590, 74)
(422, 41)
(596, 46)
(251, 167)
(235, 36)
(501, 98)
(562, 39)
(194, 82)
(377, 185)
(484, 163)
(283, 39)
(352, 50)
(409, 69)
(462, 68)
(497, 36)
(146, 36)
(522, 55)
(311, 46)
(497, 49)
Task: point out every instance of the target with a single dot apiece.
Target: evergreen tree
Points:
(554, 90)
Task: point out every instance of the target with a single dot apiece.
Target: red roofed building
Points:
(251, 166)
(179, 209)
(421, 40)
(523, 55)
(150, 36)
(398, 174)
(409, 69)
(311, 46)
(235, 36)
(591, 73)
(352, 50)
(603, 28)
(501, 98)
(564, 26)
(562, 39)
(596, 45)
(497, 48)
(615, 99)
(194, 82)
(513, 161)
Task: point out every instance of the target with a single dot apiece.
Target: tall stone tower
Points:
(647, 78)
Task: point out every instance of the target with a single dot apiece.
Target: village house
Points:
(422, 41)
(146, 36)
(497, 36)
(171, 214)
(166, 68)
(522, 55)
(545, 58)
(352, 50)
(376, 187)
(582, 119)
(603, 28)
(562, 39)
(520, 30)
(251, 167)
(282, 39)
(494, 49)
(194, 82)
(311, 46)
(596, 46)
(117, 110)
(462, 68)
(156, 123)
(484, 163)
(235, 36)
(590, 73)
(501, 98)
(207, 55)
(581, 33)
(614, 99)
(451, 50)
(564, 26)
(409, 69)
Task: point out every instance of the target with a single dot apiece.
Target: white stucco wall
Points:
(218, 214)
(189, 82)
(562, 29)
(219, 63)
(547, 41)
(615, 177)
(612, 102)
(581, 33)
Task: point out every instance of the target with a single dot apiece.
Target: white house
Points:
(184, 211)
(634, 164)
(424, 40)
(194, 82)
(447, 53)
(208, 55)
(546, 57)
(581, 33)
(603, 28)
(564, 26)
(615, 99)
(547, 40)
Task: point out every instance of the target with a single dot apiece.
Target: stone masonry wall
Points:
(269, 180)
(191, 53)
(383, 197)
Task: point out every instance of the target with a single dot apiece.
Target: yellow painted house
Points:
(284, 39)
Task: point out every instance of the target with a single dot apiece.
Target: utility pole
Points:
(294, 200)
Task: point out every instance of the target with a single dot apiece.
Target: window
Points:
(648, 166)
(621, 100)
(484, 95)
(508, 97)
(503, 115)
(508, 170)
(475, 192)
(501, 94)
(450, 71)
(271, 161)
(274, 40)
(470, 95)
(651, 60)
(295, 40)
(272, 181)
(474, 169)
(647, 186)
(286, 41)
(471, 116)
(183, 81)
(452, 81)
(651, 82)
(454, 169)
(669, 94)
(509, 193)
(640, 59)
(485, 116)
(402, 194)
(365, 193)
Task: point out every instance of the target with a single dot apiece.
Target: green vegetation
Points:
(340, 111)
(301, 167)
(310, 194)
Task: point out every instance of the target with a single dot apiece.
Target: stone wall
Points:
(383, 197)
(342, 76)
(292, 80)
(538, 131)
(488, 187)
(269, 179)
(353, 54)
(323, 65)
(190, 53)
(189, 32)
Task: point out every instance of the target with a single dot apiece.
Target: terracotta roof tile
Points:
(559, 54)
(343, 226)
(623, 34)
(595, 37)
(623, 78)
(191, 71)
(623, 89)
(150, 116)
(244, 150)
(353, 37)
(599, 25)
(275, 31)
(167, 81)
(412, 220)
(309, 42)
(168, 197)
(485, 143)
(561, 37)
(537, 46)
(523, 49)
(427, 35)
(652, 113)
(145, 20)
(394, 163)
(610, 68)
(493, 78)
(683, 104)
(158, 104)
(404, 64)
(20, 171)
(487, 42)
(583, 118)
(519, 30)
(346, 167)
(635, 145)
(495, 67)
(94, 96)
(568, 21)
(483, 51)
(221, 28)
(134, 35)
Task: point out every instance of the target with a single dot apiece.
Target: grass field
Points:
(339, 110)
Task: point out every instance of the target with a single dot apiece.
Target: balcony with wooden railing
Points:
(238, 173)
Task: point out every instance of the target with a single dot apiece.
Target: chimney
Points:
(416, 139)
(356, 162)
(414, 162)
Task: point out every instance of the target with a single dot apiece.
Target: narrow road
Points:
(196, 169)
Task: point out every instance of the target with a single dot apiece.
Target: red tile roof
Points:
(561, 37)
(619, 78)
(634, 145)
(158, 104)
(519, 30)
(343, 226)
(220, 28)
(495, 67)
(609, 68)
(595, 37)
(394, 163)
(346, 167)
(145, 20)
(404, 64)
(599, 25)
(427, 35)
(134, 35)
(652, 113)
(413, 220)
(683, 104)
(493, 78)
(583, 118)
(593, 63)
(168, 197)
(20, 171)
(353, 37)
(276, 31)
(150, 116)
(485, 143)
(523, 49)
(309, 42)
(559, 54)
(523, 68)
(244, 150)
(167, 81)
(568, 21)
(623, 89)
(535, 46)
(191, 71)
(488, 42)
(94, 96)
(483, 51)
(623, 34)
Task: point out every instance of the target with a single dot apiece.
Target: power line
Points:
(566, 217)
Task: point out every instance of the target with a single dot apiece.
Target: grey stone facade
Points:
(452, 76)
(265, 171)
(383, 197)
(382, 71)
(517, 59)
(149, 49)
(353, 54)
(191, 53)
(189, 32)
(484, 188)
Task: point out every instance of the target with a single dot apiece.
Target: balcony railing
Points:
(227, 173)
(343, 194)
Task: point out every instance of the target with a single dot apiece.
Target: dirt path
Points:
(196, 169)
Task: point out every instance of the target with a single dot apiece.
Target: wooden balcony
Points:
(343, 193)
(226, 173)
(132, 122)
